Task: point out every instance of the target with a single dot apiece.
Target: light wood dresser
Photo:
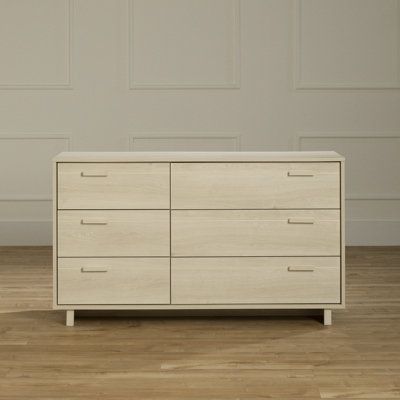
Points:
(198, 230)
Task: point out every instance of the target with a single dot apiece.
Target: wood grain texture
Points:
(194, 156)
(55, 229)
(255, 233)
(255, 185)
(149, 356)
(343, 230)
(96, 233)
(255, 280)
(264, 227)
(113, 280)
(113, 185)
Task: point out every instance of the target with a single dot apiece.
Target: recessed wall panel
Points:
(195, 43)
(347, 44)
(35, 44)
(182, 143)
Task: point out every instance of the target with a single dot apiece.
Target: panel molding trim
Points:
(352, 196)
(236, 45)
(299, 84)
(27, 136)
(67, 85)
(236, 139)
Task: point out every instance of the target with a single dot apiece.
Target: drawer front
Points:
(113, 185)
(255, 185)
(273, 280)
(113, 281)
(95, 233)
(255, 233)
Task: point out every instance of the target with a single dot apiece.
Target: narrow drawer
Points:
(113, 281)
(113, 185)
(255, 233)
(255, 185)
(273, 280)
(94, 233)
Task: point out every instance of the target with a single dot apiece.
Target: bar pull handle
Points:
(93, 269)
(300, 221)
(300, 173)
(94, 175)
(93, 222)
(300, 269)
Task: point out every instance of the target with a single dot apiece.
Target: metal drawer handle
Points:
(85, 222)
(92, 175)
(300, 269)
(93, 269)
(300, 173)
(300, 221)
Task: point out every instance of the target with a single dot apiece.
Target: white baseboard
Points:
(358, 233)
(25, 233)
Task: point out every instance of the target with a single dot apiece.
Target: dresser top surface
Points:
(199, 156)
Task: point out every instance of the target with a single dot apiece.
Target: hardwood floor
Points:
(137, 357)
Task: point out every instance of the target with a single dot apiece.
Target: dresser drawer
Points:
(94, 233)
(255, 233)
(273, 280)
(113, 185)
(255, 185)
(113, 281)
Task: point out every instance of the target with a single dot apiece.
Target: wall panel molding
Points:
(300, 83)
(230, 141)
(234, 83)
(67, 84)
(28, 197)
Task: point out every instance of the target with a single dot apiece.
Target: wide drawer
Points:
(255, 185)
(113, 281)
(113, 185)
(273, 280)
(255, 233)
(94, 233)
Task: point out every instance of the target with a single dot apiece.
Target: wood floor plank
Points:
(136, 356)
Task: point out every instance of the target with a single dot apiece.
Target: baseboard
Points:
(26, 233)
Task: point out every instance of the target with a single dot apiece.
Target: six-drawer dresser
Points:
(198, 230)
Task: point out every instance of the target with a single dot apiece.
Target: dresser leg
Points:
(70, 317)
(327, 317)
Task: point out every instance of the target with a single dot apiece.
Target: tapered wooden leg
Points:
(327, 317)
(70, 317)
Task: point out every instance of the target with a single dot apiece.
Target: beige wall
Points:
(200, 75)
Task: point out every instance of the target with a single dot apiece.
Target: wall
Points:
(200, 75)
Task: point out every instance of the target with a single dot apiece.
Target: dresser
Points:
(198, 230)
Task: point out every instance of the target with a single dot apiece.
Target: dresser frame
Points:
(198, 157)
